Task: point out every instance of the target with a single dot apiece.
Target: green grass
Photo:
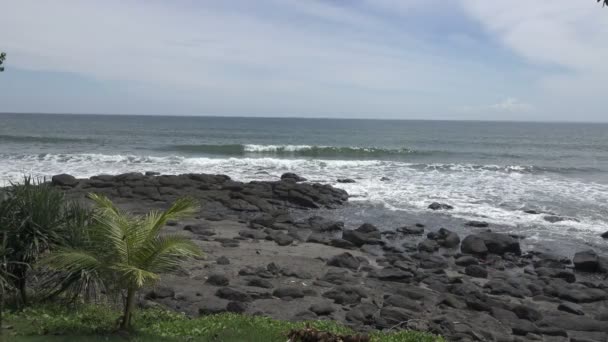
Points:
(97, 323)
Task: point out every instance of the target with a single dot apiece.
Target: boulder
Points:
(218, 279)
(258, 282)
(411, 230)
(290, 176)
(346, 295)
(288, 292)
(64, 180)
(466, 260)
(605, 235)
(223, 261)
(440, 206)
(428, 245)
(445, 238)
(586, 261)
(322, 309)
(473, 244)
(477, 224)
(345, 260)
(476, 271)
(236, 307)
(572, 308)
(346, 180)
(365, 234)
(391, 274)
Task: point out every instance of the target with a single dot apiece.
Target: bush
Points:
(88, 321)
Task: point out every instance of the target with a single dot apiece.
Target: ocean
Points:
(489, 171)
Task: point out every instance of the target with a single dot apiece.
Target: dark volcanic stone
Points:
(570, 308)
(365, 234)
(223, 261)
(236, 307)
(346, 295)
(527, 312)
(428, 246)
(473, 244)
(346, 180)
(445, 238)
(257, 282)
(341, 243)
(466, 260)
(218, 279)
(293, 177)
(500, 244)
(64, 180)
(345, 260)
(476, 271)
(605, 235)
(477, 224)
(411, 230)
(200, 229)
(288, 292)
(161, 292)
(233, 295)
(586, 261)
(391, 274)
(322, 309)
(440, 206)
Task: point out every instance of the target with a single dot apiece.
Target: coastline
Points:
(268, 252)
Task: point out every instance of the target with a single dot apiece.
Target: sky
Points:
(397, 59)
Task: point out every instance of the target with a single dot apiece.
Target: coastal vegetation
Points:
(2, 59)
(73, 270)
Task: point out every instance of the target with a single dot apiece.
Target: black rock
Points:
(605, 235)
(466, 260)
(257, 282)
(365, 234)
(160, 292)
(473, 244)
(152, 173)
(236, 307)
(288, 292)
(346, 295)
(527, 312)
(345, 260)
(223, 261)
(391, 274)
(321, 224)
(322, 309)
(440, 206)
(570, 308)
(477, 224)
(292, 177)
(341, 243)
(233, 295)
(411, 230)
(200, 229)
(476, 271)
(402, 302)
(385, 179)
(429, 246)
(64, 180)
(346, 180)
(446, 238)
(586, 261)
(218, 279)
(280, 238)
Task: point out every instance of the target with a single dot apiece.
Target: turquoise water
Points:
(487, 170)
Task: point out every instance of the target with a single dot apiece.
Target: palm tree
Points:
(2, 58)
(127, 252)
(605, 2)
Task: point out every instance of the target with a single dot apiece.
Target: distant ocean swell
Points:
(289, 150)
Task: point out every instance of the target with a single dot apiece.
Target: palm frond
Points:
(69, 260)
(165, 253)
(134, 276)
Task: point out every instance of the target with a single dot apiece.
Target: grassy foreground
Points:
(98, 323)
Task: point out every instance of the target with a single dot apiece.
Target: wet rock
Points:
(440, 206)
(346, 295)
(346, 180)
(262, 283)
(280, 238)
(64, 180)
(296, 273)
(411, 230)
(573, 322)
(365, 234)
(290, 176)
(362, 314)
(385, 179)
(322, 309)
(305, 315)
(391, 274)
(527, 312)
(476, 271)
(402, 302)
(466, 260)
(345, 260)
(445, 238)
(321, 224)
(477, 224)
(473, 244)
(341, 243)
(556, 273)
(217, 279)
(605, 235)
(288, 292)
(429, 246)
(586, 261)
(203, 229)
(572, 308)
(253, 234)
(392, 315)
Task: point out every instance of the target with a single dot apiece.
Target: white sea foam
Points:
(492, 193)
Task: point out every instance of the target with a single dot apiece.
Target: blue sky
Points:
(406, 59)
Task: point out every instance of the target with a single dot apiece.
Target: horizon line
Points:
(301, 117)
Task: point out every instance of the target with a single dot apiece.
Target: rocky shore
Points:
(270, 253)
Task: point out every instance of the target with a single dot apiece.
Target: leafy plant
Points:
(2, 59)
(30, 222)
(127, 252)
